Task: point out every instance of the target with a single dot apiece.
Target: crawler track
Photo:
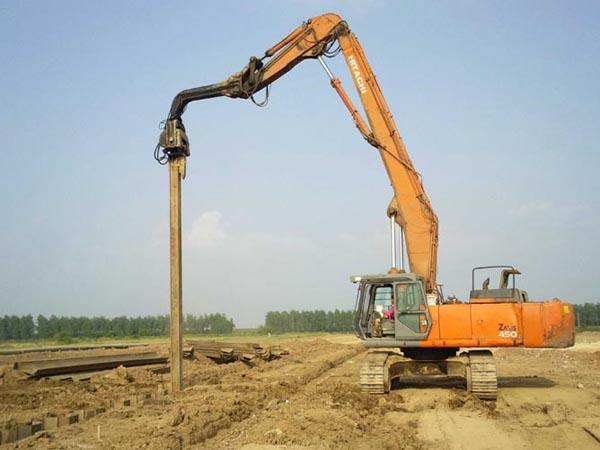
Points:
(374, 373)
(379, 367)
(482, 380)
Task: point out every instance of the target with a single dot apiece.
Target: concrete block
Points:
(141, 398)
(85, 414)
(67, 419)
(36, 425)
(8, 434)
(50, 423)
(23, 430)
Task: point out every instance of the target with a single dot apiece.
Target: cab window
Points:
(382, 297)
(409, 296)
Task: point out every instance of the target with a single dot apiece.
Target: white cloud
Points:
(533, 208)
(346, 237)
(575, 209)
(207, 230)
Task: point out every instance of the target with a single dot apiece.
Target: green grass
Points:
(77, 341)
(589, 328)
(237, 336)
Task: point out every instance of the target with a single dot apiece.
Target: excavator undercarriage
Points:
(476, 368)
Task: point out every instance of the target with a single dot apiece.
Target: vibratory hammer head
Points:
(173, 139)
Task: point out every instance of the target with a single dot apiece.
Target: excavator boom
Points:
(316, 39)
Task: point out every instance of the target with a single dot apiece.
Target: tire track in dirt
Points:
(329, 412)
(263, 390)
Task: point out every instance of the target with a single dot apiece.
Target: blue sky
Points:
(498, 103)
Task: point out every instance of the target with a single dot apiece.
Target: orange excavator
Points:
(402, 317)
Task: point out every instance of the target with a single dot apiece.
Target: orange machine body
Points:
(527, 324)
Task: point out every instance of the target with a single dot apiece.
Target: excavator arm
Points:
(316, 39)
(309, 41)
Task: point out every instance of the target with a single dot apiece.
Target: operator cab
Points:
(504, 293)
(392, 306)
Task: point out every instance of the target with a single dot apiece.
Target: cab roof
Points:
(385, 278)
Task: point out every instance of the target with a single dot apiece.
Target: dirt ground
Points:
(548, 399)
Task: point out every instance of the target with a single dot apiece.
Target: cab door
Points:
(413, 320)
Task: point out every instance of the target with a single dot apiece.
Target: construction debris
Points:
(224, 352)
(54, 367)
(12, 431)
(188, 351)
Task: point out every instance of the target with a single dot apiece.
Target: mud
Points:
(309, 399)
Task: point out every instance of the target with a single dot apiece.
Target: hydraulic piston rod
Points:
(402, 269)
(393, 242)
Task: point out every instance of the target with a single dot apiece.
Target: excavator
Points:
(407, 326)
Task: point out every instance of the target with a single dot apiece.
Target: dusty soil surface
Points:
(309, 399)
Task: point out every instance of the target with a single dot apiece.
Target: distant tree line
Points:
(588, 314)
(300, 321)
(208, 324)
(24, 327)
(17, 328)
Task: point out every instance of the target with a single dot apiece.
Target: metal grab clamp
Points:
(174, 140)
